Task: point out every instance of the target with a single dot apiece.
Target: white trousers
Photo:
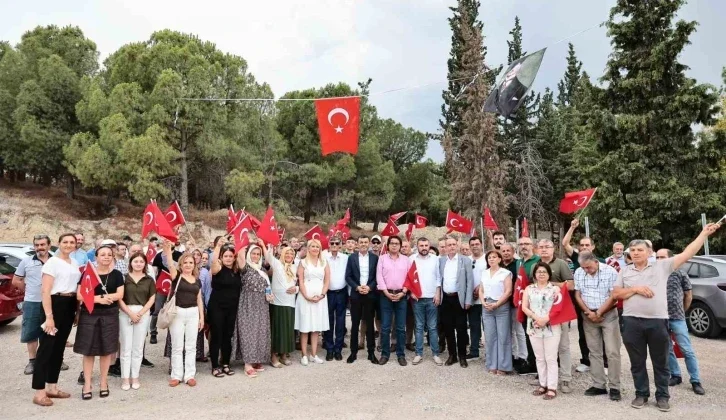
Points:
(132, 338)
(545, 351)
(519, 340)
(183, 331)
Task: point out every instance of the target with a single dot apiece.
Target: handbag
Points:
(168, 311)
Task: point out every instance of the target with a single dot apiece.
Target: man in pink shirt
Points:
(391, 274)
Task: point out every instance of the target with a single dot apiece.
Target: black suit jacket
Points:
(352, 274)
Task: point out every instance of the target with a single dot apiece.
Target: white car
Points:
(13, 253)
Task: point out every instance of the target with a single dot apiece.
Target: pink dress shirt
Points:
(391, 273)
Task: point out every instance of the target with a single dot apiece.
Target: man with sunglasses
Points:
(337, 299)
(376, 244)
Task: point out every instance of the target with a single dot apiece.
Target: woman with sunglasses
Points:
(98, 332)
(59, 285)
(222, 307)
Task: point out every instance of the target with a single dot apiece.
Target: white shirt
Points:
(429, 275)
(65, 276)
(480, 266)
(494, 284)
(363, 262)
(280, 283)
(450, 270)
(337, 270)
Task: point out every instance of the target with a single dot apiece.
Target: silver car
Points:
(707, 315)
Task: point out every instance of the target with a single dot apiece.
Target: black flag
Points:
(506, 97)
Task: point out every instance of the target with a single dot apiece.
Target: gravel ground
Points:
(358, 391)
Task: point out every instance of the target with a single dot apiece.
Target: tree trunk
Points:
(70, 187)
(269, 191)
(108, 200)
(184, 172)
(307, 213)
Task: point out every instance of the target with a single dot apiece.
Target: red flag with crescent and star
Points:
(150, 253)
(519, 286)
(281, 233)
(88, 285)
(154, 220)
(344, 221)
(412, 282)
(174, 215)
(391, 229)
(163, 283)
(241, 233)
(268, 228)
(316, 232)
(421, 221)
(458, 223)
(231, 219)
(576, 200)
(489, 222)
(676, 348)
(562, 310)
(338, 120)
(345, 233)
(409, 231)
(394, 217)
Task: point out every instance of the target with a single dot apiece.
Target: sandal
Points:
(217, 373)
(251, 373)
(276, 364)
(87, 395)
(227, 371)
(539, 391)
(104, 393)
(258, 367)
(550, 395)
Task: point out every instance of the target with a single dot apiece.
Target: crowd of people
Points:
(260, 304)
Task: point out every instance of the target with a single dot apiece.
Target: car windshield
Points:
(6, 268)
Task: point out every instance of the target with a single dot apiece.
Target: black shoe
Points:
(402, 361)
(383, 360)
(410, 347)
(451, 360)
(329, 356)
(463, 362)
(81, 379)
(352, 358)
(345, 346)
(472, 357)
(526, 369)
(663, 405)
(152, 340)
(517, 363)
(338, 356)
(373, 359)
(698, 389)
(592, 391)
(115, 371)
(639, 402)
(615, 394)
(146, 363)
(675, 380)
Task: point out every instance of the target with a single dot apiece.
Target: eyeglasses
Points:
(335, 243)
(376, 242)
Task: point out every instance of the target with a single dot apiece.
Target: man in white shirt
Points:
(425, 308)
(337, 300)
(360, 275)
(457, 287)
(478, 265)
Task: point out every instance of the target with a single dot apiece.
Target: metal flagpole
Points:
(518, 230)
(587, 226)
(705, 243)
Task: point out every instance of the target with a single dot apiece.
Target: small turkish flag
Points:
(421, 221)
(338, 120)
(344, 221)
(150, 253)
(676, 348)
(281, 233)
(154, 220)
(525, 229)
(174, 215)
(241, 233)
(316, 232)
(409, 231)
(345, 233)
(163, 283)
(268, 229)
(489, 222)
(458, 223)
(391, 229)
(255, 222)
(88, 285)
(231, 219)
(576, 200)
(562, 310)
(394, 217)
(412, 282)
(521, 284)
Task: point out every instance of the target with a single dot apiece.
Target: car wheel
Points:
(6, 322)
(701, 321)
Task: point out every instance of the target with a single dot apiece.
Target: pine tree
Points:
(566, 86)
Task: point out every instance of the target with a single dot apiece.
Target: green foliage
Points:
(242, 188)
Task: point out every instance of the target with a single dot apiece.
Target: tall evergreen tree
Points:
(566, 86)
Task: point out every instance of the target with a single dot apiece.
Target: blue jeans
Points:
(336, 318)
(680, 330)
(388, 310)
(426, 313)
(498, 338)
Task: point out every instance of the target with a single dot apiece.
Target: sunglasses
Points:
(377, 242)
(335, 243)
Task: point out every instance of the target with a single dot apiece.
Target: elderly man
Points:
(618, 256)
(458, 289)
(643, 287)
(680, 295)
(594, 282)
(527, 261)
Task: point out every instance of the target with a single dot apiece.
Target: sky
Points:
(294, 45)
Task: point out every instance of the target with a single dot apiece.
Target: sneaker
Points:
(417, 359)
(318, 360)
(29, 368)
(698, 389)
(438, 361)
(81, 379)
(615, 394)
(639, 402)
(472, 357)
(582, 368)
(565, 387)
(304, 361)
(146, 363)
(662, 405)
(675, 380)
(64, 366)
(593, 391)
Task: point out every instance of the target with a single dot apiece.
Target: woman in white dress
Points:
(311, 308)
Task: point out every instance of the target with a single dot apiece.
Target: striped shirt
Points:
(595, 290)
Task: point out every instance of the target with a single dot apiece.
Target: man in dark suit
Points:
(457, 287)
(360, 275)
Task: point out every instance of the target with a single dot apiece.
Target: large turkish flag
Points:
(338, 121)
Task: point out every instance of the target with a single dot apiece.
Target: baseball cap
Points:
(108, 242)
(377, 237)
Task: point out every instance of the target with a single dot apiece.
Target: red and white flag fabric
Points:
(344, 221)
(155, 221)
(576, 200)
(421, 221)
(562, 310)
(174, 215)
(409, 231)
(241, 233)
(150, 253)
(268, 229)
(231, 219)
(391, 229)
(489, 222)
(525, 229)
(519, 286)
(676, 348)
(345, 233)
(395, 216)
(316, 232)
(412, 282)
(458, 223)
(338, 121)
(281, 233)
(163, 283)
(88, 286)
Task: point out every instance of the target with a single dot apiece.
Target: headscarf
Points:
(288, 266)
(257, 266)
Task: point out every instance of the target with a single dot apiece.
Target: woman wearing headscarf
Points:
(222, 307)
(311, 308)
(251, 341)
(282, 308)
(98, 332)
